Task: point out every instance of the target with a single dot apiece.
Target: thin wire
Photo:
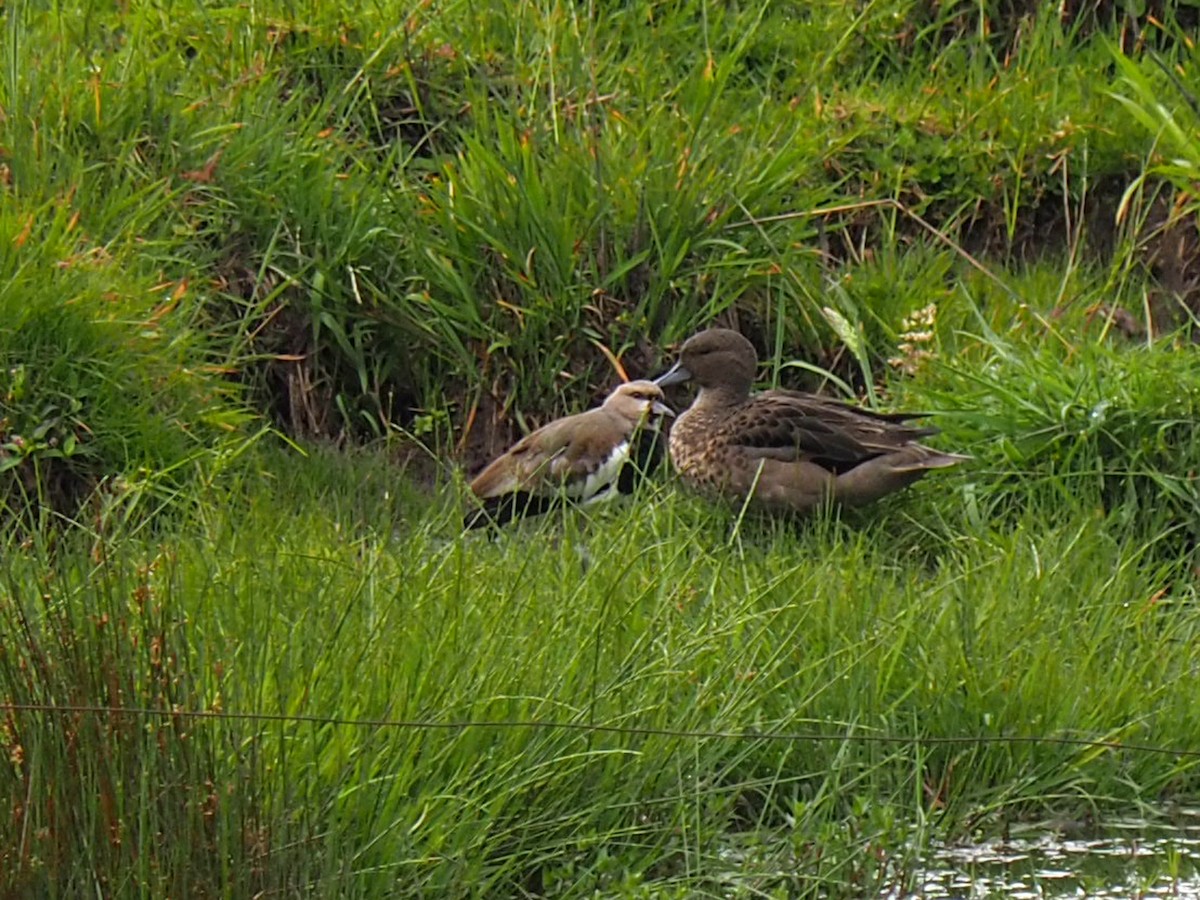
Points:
(540, 724)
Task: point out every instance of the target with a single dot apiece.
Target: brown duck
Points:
(584, 458)
(786, 450)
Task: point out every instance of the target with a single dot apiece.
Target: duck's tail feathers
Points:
(928, 458)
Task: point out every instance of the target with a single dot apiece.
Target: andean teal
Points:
(786, 450)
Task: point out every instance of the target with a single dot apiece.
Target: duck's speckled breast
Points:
(695, 447)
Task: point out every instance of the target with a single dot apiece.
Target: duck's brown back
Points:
(795, 450)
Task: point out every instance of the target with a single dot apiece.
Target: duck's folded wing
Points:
(815, 404)
(788, 438)
(788, 426)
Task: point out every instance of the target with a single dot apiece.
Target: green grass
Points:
(650, 619)
(273, 275)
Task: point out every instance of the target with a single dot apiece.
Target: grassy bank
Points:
(241, 652)
(508, 193)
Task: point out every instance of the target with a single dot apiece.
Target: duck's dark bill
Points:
(677, 374)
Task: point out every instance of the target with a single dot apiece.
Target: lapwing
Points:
(582, 459)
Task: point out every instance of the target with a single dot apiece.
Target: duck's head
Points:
(716, 358)
(638, 401)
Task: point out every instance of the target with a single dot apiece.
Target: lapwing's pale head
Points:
(717, 357)
(638, 401)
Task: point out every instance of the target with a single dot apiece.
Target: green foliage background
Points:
(273, 275)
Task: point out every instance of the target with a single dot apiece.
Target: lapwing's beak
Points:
(677, 374)
(661, 409)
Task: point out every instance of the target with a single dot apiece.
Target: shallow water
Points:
(1129, 858)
